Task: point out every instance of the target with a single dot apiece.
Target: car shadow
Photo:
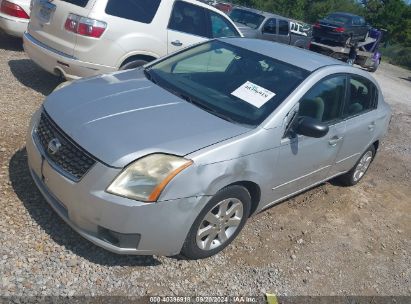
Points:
(32, 76)
(10, 43)
(408, 79)
(55, 227)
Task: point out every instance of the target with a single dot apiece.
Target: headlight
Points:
(62, 85)
(145, 179)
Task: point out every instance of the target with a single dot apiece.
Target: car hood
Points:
(121, 117)
(247, 31)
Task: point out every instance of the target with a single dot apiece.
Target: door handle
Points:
(177, 43)
(371, 126)
(335, 140)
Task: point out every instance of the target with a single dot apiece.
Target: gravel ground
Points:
(328, 241)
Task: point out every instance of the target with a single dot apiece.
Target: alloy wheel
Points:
(363, 166)
(219, 224)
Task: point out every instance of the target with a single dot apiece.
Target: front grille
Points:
(70, 159)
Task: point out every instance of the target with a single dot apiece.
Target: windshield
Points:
(338, 18)
(247, 18)
(230, 82)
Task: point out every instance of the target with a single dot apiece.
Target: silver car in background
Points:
(175, 157)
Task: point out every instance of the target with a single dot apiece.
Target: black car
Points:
(341, 28)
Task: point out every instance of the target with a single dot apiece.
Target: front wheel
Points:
(219, 223)
(355, 175)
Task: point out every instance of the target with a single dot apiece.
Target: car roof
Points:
(204, 5)
(304, 59)
(343, 14)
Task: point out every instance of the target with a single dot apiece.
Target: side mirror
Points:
(311, 127)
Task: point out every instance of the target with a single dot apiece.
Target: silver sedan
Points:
(175, 157)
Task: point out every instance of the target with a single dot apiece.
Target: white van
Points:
(80, 38)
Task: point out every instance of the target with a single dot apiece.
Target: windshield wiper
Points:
(150, 76)
(206, 108)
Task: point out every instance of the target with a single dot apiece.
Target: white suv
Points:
(80, 38)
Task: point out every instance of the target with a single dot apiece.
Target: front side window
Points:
(220, 27)
(283, 27)
(356, 21)
(247, 18)
(325, 100)
(188, 18)
(362, 97)
(230, 82)
(270, 26)
(136, 10)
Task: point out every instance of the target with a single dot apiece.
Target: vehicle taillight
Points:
(317, 25)
(339, 30)
(12, 9)
(85, 26)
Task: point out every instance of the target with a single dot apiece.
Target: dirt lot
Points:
(328, 241)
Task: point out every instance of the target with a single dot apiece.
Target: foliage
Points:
(392, 15)
(398, 55)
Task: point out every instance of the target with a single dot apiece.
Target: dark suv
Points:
(341, 28)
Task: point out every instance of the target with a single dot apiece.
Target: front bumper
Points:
(140, 228)
(13, 26)
(56, 62)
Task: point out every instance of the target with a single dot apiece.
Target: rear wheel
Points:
(355, 175)
(375, 66)
(219, 223)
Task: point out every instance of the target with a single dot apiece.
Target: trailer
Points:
(368, 55)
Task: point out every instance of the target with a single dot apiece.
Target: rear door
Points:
(277, 30)
(48, 19)
(360, 114)
(270, 29)
(283, 31)
(188, 25)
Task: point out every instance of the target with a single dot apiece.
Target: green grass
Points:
(398, 55)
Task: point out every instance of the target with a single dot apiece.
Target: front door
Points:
(188, 25)
(305, 161)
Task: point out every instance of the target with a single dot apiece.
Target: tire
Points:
(375, 66)
(133, 64)
(348, 41)
(355, 175)
(205, 238)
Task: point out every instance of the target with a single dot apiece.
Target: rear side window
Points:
(136, 10)
(283, 27)
(81, 3)
(363, 96)
(188, 18)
